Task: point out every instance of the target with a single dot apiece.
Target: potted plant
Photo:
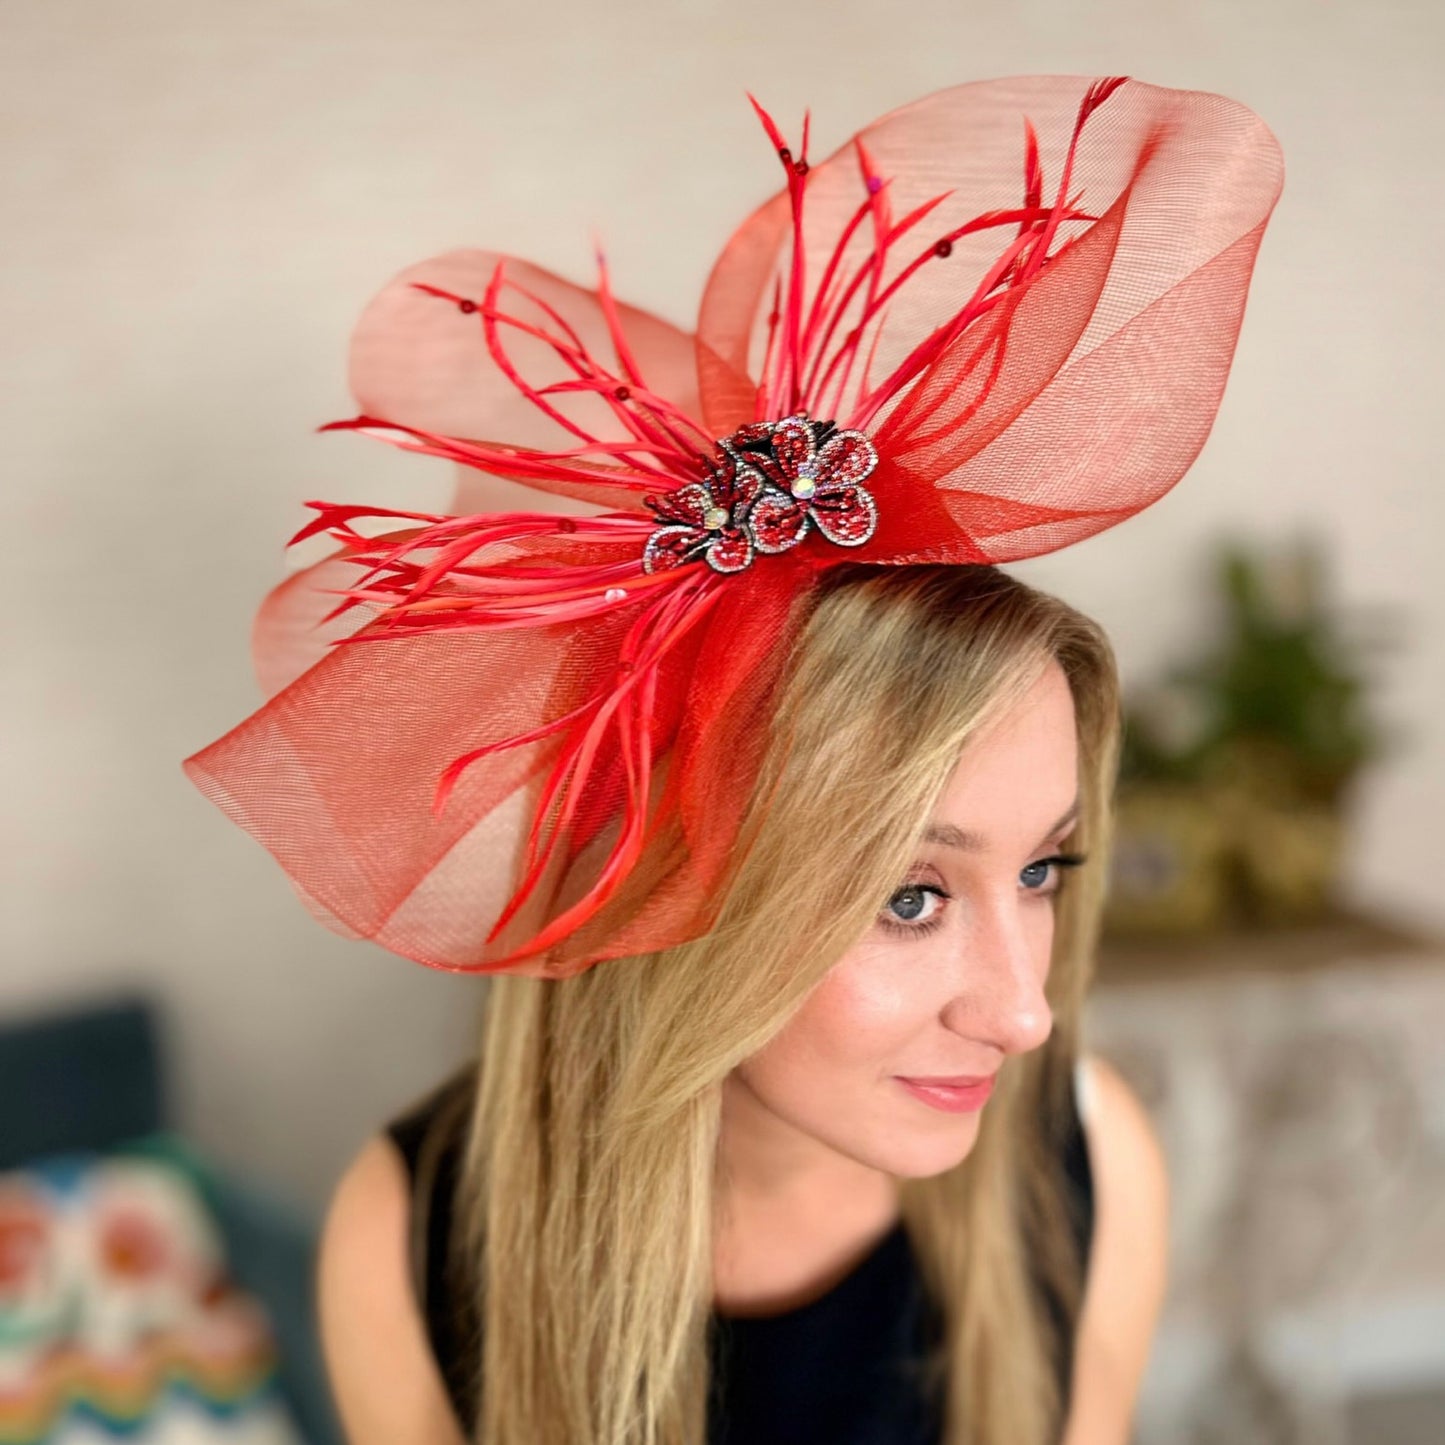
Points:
(1238, 767)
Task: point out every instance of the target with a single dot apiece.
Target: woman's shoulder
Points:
(384, 1373)
(1129, 1180)
(384, 1378)
(1123, 1143)
(1129, 1262)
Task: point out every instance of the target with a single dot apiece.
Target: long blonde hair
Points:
(588, 1183)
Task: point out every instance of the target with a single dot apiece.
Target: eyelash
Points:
(1060, 861)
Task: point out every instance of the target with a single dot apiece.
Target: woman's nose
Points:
(1003, 967)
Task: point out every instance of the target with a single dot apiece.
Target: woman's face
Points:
(948, 981)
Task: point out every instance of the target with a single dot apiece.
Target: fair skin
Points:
(948, 981)
(816, 1128)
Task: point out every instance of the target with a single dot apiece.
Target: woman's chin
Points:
(920, 1153)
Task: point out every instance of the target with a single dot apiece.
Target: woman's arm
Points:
(1129, 1260)
(385, 1380)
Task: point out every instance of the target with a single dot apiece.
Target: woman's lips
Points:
(952, 1098)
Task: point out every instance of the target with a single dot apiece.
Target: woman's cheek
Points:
(865, 1004)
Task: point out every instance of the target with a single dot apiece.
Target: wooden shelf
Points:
(1342, 938)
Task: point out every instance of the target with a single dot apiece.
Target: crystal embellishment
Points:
(705, 519)
(771, 484)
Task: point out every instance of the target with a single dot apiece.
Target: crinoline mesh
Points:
(1025, 292)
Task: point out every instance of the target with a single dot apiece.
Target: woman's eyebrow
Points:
(951, 836)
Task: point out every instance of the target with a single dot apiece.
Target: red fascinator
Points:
(994, 322)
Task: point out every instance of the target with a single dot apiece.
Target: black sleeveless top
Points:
(835, 1371)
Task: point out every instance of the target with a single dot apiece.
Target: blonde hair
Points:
(588, 1184)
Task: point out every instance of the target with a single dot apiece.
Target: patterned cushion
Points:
(117, 1315)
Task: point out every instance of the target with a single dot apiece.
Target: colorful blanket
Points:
(117, 1316)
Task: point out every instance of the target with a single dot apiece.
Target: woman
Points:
(771, 1055)
(821, 825)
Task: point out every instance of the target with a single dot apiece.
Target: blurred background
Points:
(198, 200)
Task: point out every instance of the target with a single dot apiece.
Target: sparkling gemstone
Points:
(804, 487)
(714, 518)
(615, 594)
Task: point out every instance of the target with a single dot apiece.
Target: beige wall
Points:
(198, 198)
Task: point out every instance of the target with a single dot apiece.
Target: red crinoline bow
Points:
(994, 322)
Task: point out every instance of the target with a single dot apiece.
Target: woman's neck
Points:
(792, 1216)
(770, 1164)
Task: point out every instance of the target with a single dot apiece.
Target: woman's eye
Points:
(913, 909)
(1036, 875)
(1040, 872)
